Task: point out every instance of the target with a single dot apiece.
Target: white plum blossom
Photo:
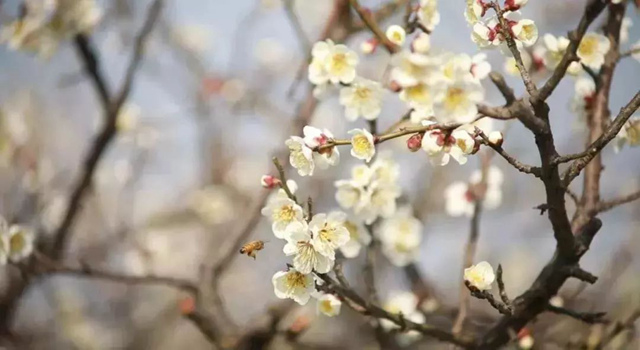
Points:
(362, 144)
(20, 241)
(329, 232)
(485, 34)
(405, 303)
(410, 69)
(635, 53)
(328, 305)
(314, 137)
(555, 49)
(460, 196)
(473, 11)
(363, 98)
(421, 43)
(628, 134)
(582, 100)
(332, 63)
(396, 34)
(282, 212)
(592, 49)
(372, 190)
(526, 31)
(480, 276)
(307, 257)
(428, 14)
(4, 241)
(358, 237)
(400, 235)
(300, 156)
(294, 285)
(380, 199)
(351, 195)
(441, 146)
(480, 68)
(457, 101)
(418, 96)
(46, 23)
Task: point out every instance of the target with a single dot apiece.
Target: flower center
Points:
(339, 61)
(419, 93)
(455, 97)
(295, 280)
(588, 46)
(325, 306)
(300, 160)
(17, 243)
(361, 144)
(362, 93)
(327, 234)
(285, 214)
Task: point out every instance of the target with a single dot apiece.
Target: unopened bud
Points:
(187, 305)
(394, 86)
(269, 181)
(421, 44)
(369, 46)
(495, 137)
(525, 340)
(414, 142)
(556, 301)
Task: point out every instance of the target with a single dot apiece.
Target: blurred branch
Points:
(49, 266)
(478, 192)
(108, 131)
(603, 206)
(369, 20)
(297, 26)
(587, 317)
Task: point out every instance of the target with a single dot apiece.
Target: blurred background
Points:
(215, 98)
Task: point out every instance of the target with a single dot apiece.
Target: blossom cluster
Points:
(16, 242)
(44, 24)
(460, 197)
(311, 241)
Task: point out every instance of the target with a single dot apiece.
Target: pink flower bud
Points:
(369, 46)
(495, 137)
(269, 181)
(414, 142)
(394, 86)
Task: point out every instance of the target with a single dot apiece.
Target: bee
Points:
(251, 248)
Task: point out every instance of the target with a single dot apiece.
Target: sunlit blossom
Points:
(294, 285)
(480, 276)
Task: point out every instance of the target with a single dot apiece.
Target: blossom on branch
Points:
(328, 305)
(314, 137)
(300, 156)
(400, 235)
(592, 49)
(628, 134)
(442, 145)
(283, 212)
(396, 34)
(406, 304)
(294, 285)
(460, 197)
(428, 14)
(358, 237)
(332, 63)
(362, 144)
(329, 232)
(307, 256)
(363, 98)
(480, 276)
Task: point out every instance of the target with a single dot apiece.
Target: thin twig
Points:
(587, 317)
(369, 20)
(501, 288)
(524, 168)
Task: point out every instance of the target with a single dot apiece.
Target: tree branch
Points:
(603, 206)
(369, 20)
(524, 168)
(111, 111)
(587, 317)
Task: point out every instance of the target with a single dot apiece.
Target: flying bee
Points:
(251, 248)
